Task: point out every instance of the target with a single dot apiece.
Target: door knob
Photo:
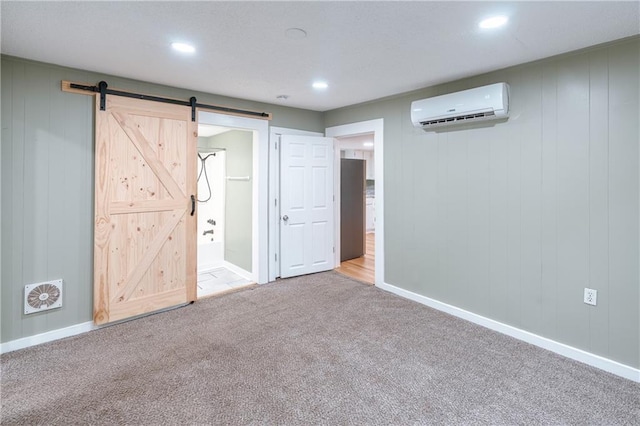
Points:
(285, 218)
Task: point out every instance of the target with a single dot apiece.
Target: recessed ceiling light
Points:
(368, 144)
(493, 22)
(320, 85)
(183, 47)
(295, 33)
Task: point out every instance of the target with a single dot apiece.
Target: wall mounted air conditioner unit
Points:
(469, 106)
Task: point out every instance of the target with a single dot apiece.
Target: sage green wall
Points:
(47, 185)
(47, 196)
(510, 222)
(238, 145)
(513, 221)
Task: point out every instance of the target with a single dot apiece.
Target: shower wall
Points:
(238, 146)
(211, 198)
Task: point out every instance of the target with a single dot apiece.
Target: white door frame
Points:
(377, 127)
(260, 183)
(274, 194)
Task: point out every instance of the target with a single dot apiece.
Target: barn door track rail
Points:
(103, 89)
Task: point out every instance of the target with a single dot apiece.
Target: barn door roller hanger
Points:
(103, 89)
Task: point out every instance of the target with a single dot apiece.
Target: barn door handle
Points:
(193, 204)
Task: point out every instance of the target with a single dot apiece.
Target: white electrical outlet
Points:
(590, 296)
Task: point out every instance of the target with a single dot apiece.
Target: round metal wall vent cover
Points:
(42, 296)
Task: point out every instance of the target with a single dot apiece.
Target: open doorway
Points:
(232, 158)
(224, 199)
(372, 130)
(357, 207)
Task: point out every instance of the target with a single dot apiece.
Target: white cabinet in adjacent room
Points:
(353, 154)
(359, 154)
(370, 214)
(371, 170)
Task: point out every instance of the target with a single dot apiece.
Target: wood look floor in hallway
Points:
(363, 267)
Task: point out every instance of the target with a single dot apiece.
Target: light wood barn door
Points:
(145, 233)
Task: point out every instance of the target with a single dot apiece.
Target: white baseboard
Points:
(84, 327)
(588, 358)
(49, 336)
(593, 360)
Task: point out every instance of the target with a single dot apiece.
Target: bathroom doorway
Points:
(224, 200)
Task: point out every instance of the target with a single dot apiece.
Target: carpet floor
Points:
(318, 349)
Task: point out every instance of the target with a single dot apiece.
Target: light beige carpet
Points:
(320, 349)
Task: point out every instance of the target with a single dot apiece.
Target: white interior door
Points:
(306, 205)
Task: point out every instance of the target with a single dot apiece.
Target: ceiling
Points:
(363, 50)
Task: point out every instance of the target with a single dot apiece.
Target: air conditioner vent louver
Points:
(458, 119)
(42, 296)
